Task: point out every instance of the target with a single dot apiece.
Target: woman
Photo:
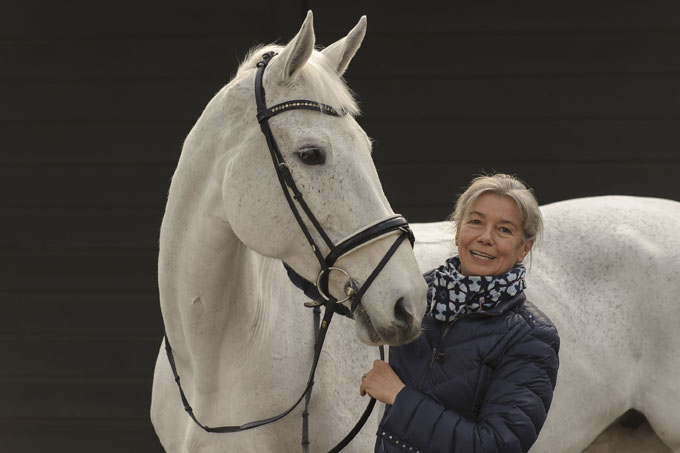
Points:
(481, 376)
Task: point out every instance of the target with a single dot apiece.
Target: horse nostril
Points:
(402, 315)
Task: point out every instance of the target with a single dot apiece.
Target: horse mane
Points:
(318, 75)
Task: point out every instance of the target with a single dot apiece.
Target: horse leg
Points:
(663, 414)
(659, 394)
(575, 421)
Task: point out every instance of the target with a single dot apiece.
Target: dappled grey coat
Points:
(483, 383)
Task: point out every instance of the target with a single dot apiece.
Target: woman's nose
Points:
(485, 237)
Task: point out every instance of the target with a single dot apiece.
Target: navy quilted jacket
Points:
(483, 383)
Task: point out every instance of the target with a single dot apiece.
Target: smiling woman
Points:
(497, 220)
(481, 376)
(490, 241)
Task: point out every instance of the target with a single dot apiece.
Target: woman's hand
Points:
(382, 383)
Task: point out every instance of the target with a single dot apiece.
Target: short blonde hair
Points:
(508, 186)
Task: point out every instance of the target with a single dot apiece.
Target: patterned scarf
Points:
(453, 294)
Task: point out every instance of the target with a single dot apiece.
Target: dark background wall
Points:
(577, 98)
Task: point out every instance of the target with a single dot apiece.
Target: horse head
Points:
(329, 158)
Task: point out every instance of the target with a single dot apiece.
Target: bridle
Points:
(389, 225)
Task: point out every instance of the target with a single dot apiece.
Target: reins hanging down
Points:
(389, 225)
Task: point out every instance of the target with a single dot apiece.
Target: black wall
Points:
(578, 99)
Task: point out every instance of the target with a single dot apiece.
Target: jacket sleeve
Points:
(511, 412)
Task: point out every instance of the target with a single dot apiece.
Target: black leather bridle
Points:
(389, 225)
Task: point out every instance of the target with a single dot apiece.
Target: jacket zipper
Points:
(435, 351)
(442, 335)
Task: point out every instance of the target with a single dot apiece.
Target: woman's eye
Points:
(312, 156)
(475, 222)
(505, 230)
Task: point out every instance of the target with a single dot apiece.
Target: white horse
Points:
(606, 274)
(241, 337)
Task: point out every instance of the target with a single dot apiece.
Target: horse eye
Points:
(312, 156)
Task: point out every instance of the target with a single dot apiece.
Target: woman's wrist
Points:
(393, 398)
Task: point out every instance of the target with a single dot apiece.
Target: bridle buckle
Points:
(314, 303)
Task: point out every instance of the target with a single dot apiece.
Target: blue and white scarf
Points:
(453, 294)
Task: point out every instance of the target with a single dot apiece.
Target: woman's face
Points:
(491, 239)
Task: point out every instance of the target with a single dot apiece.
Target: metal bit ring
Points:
(349, 291)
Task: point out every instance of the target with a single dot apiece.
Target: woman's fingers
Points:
(381, 382)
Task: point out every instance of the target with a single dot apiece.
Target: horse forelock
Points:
(318, 75)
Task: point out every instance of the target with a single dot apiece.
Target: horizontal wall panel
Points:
(525, 142)
(74, 398)
(79, 314)
(89, 186)
(491, 54)
(78, 271)
(57, 436)
(80, 228)
(121, 58)
(445, 17)
(396, 140)
(127, 17)
(49, 355)
(50, 142)
(519, 97)
(396, 55)
(106, 101)
(410, 184)
(391, 98)
(276, 18)
(421, 212)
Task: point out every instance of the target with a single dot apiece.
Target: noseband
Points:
(394, 224)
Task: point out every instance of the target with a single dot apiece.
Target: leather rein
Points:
(389, 225)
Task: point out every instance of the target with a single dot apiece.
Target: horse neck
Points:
(210, 282)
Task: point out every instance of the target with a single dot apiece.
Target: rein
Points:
(389, 225)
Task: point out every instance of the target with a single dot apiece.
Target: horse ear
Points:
(341, 52)
(294, 56)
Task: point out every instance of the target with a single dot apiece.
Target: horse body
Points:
(606, 274)
(608, 277)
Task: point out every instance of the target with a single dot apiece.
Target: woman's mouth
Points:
(482, 256)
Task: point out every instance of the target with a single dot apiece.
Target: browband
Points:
(296, 104)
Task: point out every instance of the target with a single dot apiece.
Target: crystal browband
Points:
(297, 104)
